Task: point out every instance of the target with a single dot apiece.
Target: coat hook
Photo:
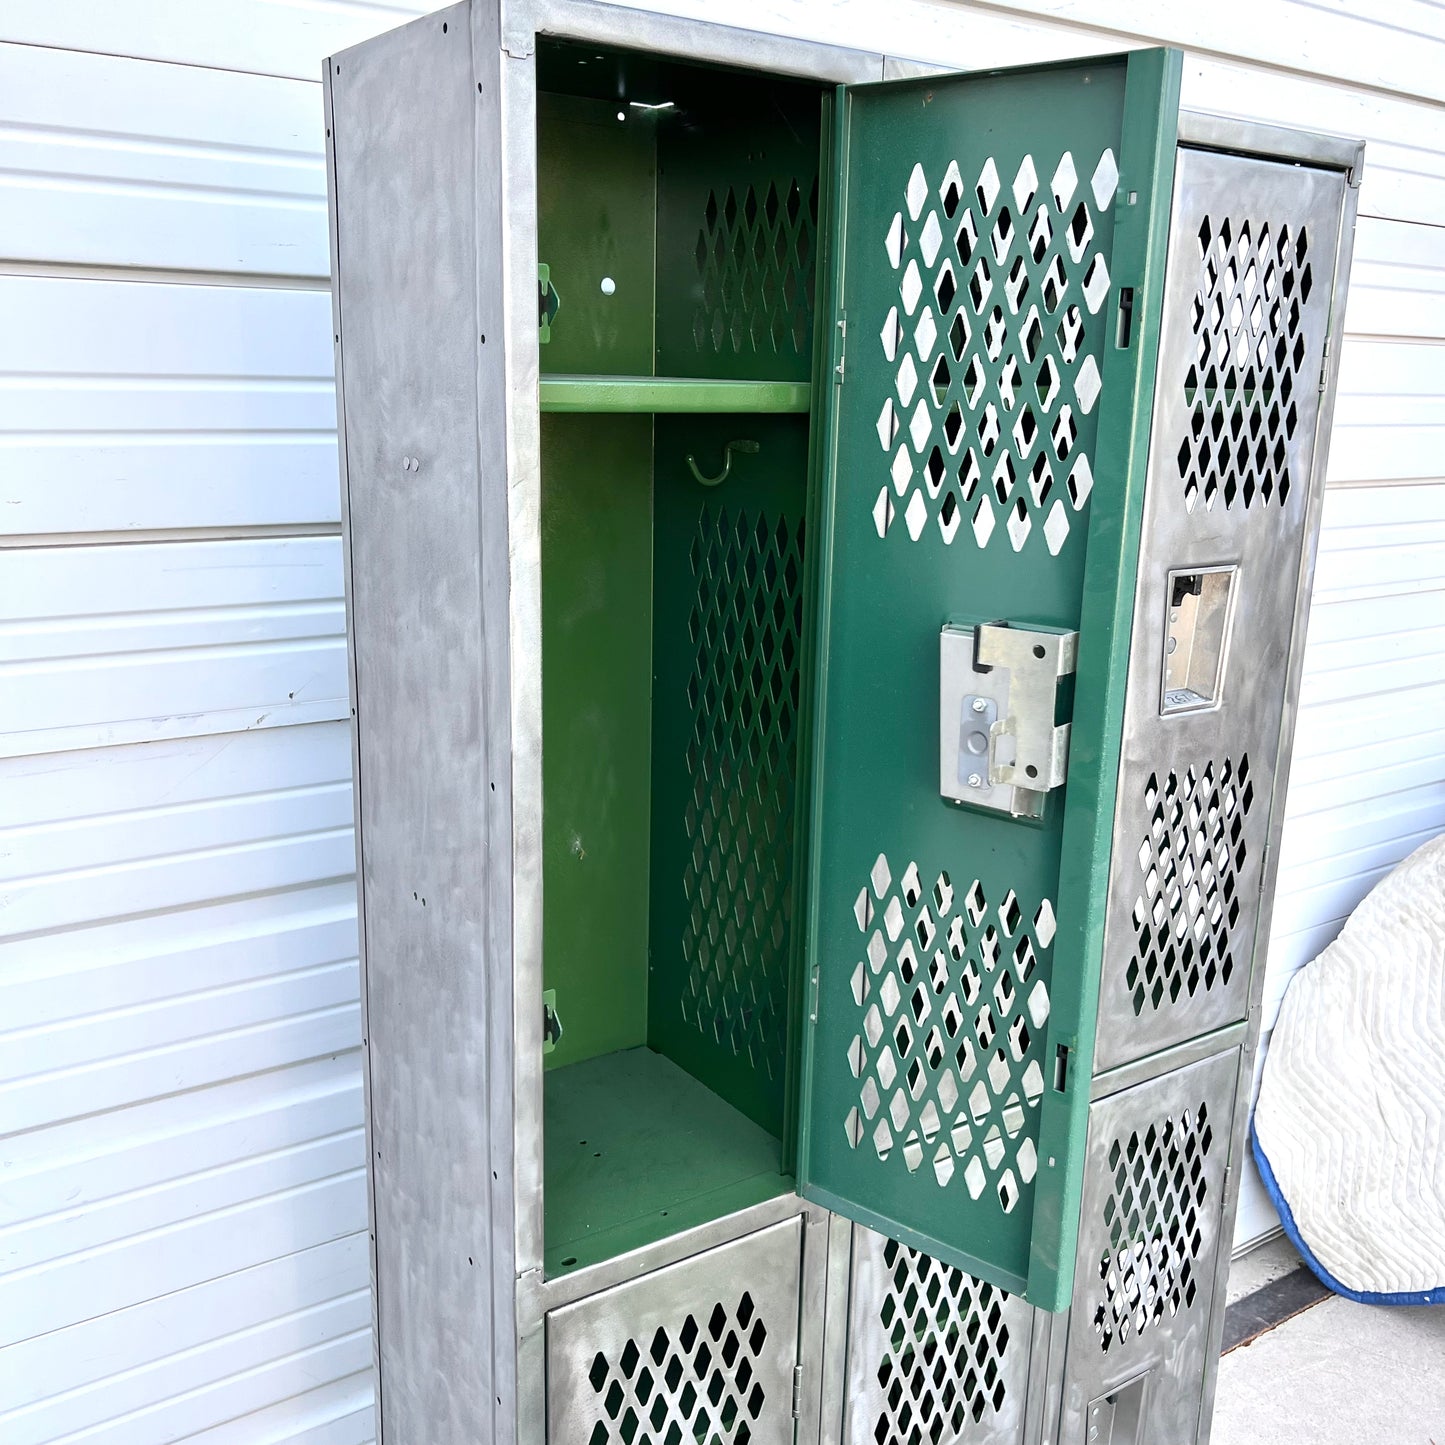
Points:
(751, 448)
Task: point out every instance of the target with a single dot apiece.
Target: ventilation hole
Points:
(1154, 1217)
(754, 261)
(1247, 361)
(743, 696)
(1189, 863)
(946, 1356)
(976, 1098)
(996, 282)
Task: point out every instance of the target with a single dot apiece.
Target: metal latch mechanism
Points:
(551, 1023)
(1000, 744)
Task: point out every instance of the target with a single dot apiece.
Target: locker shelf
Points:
(636, 1150)
(672, 394)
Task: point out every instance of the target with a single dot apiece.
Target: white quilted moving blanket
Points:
(1349, 1129)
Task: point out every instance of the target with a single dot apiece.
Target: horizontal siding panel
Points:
(133, 406)
(184, 1190)
(202, 1247)
(1398, 45)
(1397, 280)
(134, 1361)
(109, 161)
(1390, 418)
(64, 1181)
(176, 914)
(263, 37)
(174, 639)
(340, 1413)
(1401, 48)
(291, 1136)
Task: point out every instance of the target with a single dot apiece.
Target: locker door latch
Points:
(1001, 743)
(551, 1022)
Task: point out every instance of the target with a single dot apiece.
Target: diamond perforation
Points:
(945, 1366)
(695, 1382)
(1246, 320)
(745, 624)
(1154, 1216)
(1005, 269)
(952, 1003)
(754, 258)
(1189, 863)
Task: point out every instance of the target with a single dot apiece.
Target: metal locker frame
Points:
(460, 1314)
(471, 1360)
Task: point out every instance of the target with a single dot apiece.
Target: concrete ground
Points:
(1338, 1374)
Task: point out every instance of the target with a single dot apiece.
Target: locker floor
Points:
(635, 1150)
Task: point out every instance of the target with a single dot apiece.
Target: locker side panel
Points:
(416, 233)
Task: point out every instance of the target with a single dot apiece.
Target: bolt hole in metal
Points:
(608, 286)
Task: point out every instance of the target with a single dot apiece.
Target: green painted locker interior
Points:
(685, 235)
(680, 242)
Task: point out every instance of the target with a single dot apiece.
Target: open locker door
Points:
(999, 245)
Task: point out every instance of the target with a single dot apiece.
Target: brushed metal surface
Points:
(1149, 1237)
(418, 208)
(701, 1347)
(933, 1354)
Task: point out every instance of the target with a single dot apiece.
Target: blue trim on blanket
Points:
(1434, 1296)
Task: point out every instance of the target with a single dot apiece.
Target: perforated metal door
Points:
(698, 1353)
(1246, 312)
(935, 1356)
(1148, 1243)
(985, 461)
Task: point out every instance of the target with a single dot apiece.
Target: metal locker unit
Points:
(826, 552)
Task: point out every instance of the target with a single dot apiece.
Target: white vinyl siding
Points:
(182, 1198)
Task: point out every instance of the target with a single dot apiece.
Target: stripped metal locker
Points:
(827, 548)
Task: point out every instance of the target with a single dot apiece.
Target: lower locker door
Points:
(935, 1356)
(1149, 1239)
(703, 1350)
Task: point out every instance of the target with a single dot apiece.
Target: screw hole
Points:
(569, 1261)
(1038, 649)
(444, 27)
(1031, 770)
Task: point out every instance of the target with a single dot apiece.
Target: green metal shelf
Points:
(672, 394)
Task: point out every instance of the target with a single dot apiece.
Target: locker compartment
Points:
(677, 236)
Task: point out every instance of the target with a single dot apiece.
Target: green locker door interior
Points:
(1001, 243)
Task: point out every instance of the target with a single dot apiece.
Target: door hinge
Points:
(1325, 365)
(842, 350)
(797, 1392)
